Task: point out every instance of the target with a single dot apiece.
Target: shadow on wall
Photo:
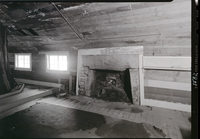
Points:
(127, 84)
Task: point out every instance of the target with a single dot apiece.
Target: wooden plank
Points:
(144, 10)
(54, 52)
(158, 10)
(177, 69)
(12, 93)
(135, 5)
(167, 105)
(141, 76)
(142, 36)
(173, 99)
(151, 51)
(46, 37)
(16, 100)
(167, 75)
(172, 30)
(11, 57)
(21, 47)
(147, 40)
(137, 23)
(167, 62)
(112, 21)
(70, 84)
(17, 109)
(61, 86)
(167, 85)
(167, 92)
(79, 65)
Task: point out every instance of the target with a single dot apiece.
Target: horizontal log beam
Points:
(12, 93)
(54, 85)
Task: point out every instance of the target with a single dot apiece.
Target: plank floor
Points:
(170, 121)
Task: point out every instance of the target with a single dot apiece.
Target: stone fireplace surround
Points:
(115, 58)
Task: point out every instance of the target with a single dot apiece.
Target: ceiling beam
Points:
(75, 31)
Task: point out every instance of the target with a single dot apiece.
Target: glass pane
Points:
(62, 63)
(22, 61)
(53, 62)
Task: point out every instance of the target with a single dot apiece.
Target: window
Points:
(57, 62)
(23, 61)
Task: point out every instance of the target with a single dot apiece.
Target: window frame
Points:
(30, 61)
(57, 53)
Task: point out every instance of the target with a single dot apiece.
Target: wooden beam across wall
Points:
(54, 85)
(168, 85)
(167, 62)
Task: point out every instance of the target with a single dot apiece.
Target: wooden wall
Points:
(163, 28)
(165, 94)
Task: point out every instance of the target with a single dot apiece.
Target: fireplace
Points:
(110, 74)
(109, 85)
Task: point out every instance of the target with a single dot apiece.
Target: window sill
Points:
(23, 69)
(57, 72)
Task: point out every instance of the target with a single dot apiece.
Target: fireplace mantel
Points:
(115, 58)
(111, 62)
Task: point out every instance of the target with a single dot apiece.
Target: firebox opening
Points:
(114, 86)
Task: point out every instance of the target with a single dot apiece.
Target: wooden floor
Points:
(25, 96)
(170, 121)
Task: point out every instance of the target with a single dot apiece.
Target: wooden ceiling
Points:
(38, 26)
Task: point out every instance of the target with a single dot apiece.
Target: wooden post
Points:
(59, 81)
(7, 81)
(141, 74)
(70, 84)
